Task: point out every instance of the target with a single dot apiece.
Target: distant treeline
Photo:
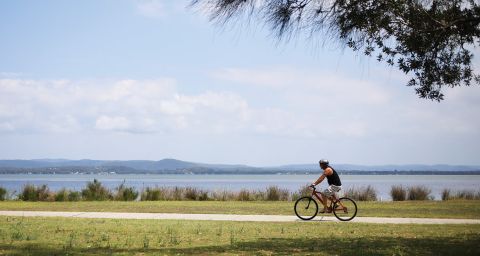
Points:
(126, 170)
(206, 170)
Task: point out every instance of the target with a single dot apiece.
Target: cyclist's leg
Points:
(327, 194)
(324, 202)
(335, 197)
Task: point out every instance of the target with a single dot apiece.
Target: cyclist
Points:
(334, 184)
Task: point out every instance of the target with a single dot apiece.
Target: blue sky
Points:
(129, 79)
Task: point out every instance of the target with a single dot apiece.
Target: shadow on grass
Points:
(284, 246)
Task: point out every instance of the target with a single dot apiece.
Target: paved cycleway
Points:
(229, 217)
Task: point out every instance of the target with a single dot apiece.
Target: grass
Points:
(61, 236)
(420, 209)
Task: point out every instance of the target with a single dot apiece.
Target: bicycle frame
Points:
(317, 194)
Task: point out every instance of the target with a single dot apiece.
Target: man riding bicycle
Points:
(334, 184)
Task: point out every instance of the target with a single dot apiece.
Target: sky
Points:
(153, 79)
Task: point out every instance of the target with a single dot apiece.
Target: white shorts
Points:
(331, 190)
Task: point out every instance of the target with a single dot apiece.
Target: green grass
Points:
(62, 236)
(420, 209)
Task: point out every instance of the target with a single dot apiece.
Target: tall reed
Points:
(419, 193)
(447, 194)
(367, 193)
(398, 193)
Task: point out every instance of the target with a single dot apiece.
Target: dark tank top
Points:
(334, 179)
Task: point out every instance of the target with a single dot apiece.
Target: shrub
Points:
(223, 195)
(465, 194)
(398, 193)
(419, 193)
(62, 195)
(95, 191)
(244, 195)
(123, 193)
(31, 192)
(150, 194)
(446, 194)
(155, 194)
(191, 193)
(367, 193)
(44, 194)
(462, 195)
(74, 196)
(203, 195)
(274, 193)
(176, 193)
(3, 194)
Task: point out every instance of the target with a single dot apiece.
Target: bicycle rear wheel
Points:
(306, 208)
(345, 209)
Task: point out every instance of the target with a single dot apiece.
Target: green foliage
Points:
(124, 193)
(3, 194)
(153, 194)
(62, 195)
(31, 192)
(430, 41)
(274, 193)
(74, 196)
(95, 191)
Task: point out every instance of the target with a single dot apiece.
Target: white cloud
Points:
(119, 123)
(298, 104)
(333, 105)
(6, 127)
(133, 106)
(151, 8)
(330, 86)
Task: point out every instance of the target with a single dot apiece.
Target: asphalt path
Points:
(230, 217)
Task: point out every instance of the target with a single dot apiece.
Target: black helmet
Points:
(323, 161)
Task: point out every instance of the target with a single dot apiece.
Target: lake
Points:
(382, 183)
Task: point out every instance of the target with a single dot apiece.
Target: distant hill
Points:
(383, 168)
(178, 167)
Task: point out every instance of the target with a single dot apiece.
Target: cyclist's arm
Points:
(320, 179)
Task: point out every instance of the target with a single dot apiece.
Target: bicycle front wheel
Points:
(306, 208)
(345, 209)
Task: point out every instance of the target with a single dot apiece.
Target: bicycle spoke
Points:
(306, 208)
(345, 209)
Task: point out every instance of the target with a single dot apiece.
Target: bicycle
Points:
(306, 208)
